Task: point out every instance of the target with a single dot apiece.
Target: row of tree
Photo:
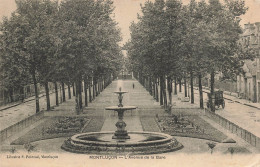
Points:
(172, 42)
(68, 42)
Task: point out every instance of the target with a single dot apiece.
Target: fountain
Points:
(120, 134)
(121, 142)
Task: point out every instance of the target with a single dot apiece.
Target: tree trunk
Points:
(180, 85)
(47, 96)
(36, 93)
(77, 97)
(22, 93)
(94, 88)
(150, 86)
(147, 83)
(73, 88)
(103, 81)
(63, 92)
(154, 96)
(11, 92)
(191, 87)
(82, 89)
(169, 85)
(143, 81)
(185, 87)
(89, 92)
(156, 90)
(69, 91)
(56, 93)
(200, 92)
(164, 93)
(161, 91)
(80, 94)
(212, 81)
(99, 86)
(94, 91)
(175, 86)
(86, 92)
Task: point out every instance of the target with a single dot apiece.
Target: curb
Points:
(242, 103)
(251, 106)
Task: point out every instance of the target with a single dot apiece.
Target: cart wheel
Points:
(223, 104)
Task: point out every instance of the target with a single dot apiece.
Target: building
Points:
(248, 83)
(125, 73)
(258, 76)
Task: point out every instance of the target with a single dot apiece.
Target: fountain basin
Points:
(124, 108)
(139, 143)
(120, 92)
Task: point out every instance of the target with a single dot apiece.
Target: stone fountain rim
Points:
(121, 92)
(121, 108)
(76, 139)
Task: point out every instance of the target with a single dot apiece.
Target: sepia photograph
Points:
(129, 83)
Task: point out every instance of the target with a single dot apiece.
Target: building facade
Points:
(248, 83)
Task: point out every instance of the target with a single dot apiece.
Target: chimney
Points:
(252, 26)
(257, 24)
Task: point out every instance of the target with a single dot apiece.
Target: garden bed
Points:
(54, 127)
(95, 125)
(190, 126)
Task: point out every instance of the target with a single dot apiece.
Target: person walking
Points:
(133, 85)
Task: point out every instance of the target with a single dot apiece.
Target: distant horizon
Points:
(126, 12)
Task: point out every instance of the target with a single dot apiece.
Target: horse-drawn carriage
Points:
(219, 99)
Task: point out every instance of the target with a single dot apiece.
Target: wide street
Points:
(137, 120)
(245, 116)
(149, 49)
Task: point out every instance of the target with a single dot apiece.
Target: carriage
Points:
(219, 99)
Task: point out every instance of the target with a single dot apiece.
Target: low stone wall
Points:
(19, 126)
(239, 131)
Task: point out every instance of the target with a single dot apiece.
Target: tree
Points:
(170, 41)
(29, 28)
(224, 46)
(12, 76)
(154, 44)
(89, 46)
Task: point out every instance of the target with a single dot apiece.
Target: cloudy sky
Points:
(126, 12)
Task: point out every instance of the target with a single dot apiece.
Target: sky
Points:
(126, 12)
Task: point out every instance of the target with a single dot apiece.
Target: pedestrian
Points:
(133, 85)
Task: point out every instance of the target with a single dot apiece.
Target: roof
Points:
(247, 32)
